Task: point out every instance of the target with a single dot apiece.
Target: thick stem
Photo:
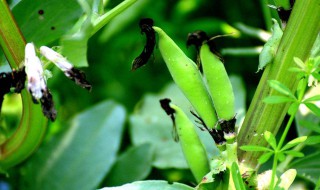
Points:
(32, 126)
(299, 36)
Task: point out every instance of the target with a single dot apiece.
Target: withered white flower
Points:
(62, 63)
(56, 58)
(34, 71)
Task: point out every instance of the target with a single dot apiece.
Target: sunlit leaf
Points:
(313, 98)
(152, 184)
(315, 109)
(278, 86)
(270, 138)
(299, 62)
(294, 142)
(80, 157)
(287, 179)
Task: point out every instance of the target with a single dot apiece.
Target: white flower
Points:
(34, 71)
(56, 58)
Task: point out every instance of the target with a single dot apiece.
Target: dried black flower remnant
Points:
(199, 37)
(165, 104)
(216, 134)
(47, 105)
(65, 66)
(228, 127)
(14, 79)
(78, 77)
(146, 27)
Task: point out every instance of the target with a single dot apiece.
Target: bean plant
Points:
(194, 134)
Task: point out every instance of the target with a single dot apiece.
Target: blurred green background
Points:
(110, 54)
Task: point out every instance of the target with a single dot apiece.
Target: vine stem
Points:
(32, 127)
(301, 93)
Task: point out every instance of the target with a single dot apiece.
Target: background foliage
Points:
(116, 134)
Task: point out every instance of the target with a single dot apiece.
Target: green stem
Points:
(32, 126)
(283, 165)
(107, 17)
(11, 40)
(301, 93)
(297, 41)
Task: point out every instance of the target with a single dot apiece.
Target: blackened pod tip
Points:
(197, 38)
(165, 104)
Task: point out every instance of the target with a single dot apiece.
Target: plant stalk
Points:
(299, 36)
(32, 126)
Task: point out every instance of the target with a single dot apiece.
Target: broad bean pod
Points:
(191, 145)
(186, 75)
(220, 87)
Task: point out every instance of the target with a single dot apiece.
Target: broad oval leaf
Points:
(308, 167)
(151, 185)
(43, 22)
(133, 165)
(278, 86)
(80, 157)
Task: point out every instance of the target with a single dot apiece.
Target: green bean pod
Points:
(191, 145)
(188, 78)
(219, 84)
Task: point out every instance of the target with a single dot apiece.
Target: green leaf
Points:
(265, 157)
(315, 109)
(44, 27)
(236, 176)
(294, 153)
(133, 165)
(152, 184)
(294, 142)
(310, 125)
(281, 156)
(312, 140)
(313, 98)
(293, 108)
(308, 166)
(270, 139)
(277, 99)
(254, 148)
(316, 75)
(299, 62)
(80, 157)
(278, 86)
